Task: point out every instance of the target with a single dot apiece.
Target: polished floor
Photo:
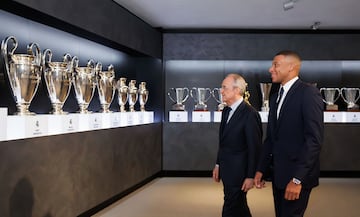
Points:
(201, 197)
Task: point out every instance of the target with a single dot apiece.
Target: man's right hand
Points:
(259, 183)
(216, 173)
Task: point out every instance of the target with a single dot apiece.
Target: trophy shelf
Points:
(14, 127)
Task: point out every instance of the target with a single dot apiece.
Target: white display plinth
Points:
(201, 116)
(178, 116)
(217, 116)
(342, 117)
(264, 116)
(3, 123)
(19, 127)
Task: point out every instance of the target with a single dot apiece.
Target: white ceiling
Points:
(245, 14)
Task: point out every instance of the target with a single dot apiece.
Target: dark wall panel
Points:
(67, 175)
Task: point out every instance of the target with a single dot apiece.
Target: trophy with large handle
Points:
(58, 78)
(23, 71)
(201, 96)
(216, 94)
(84, 83)
(106, 86)
(143, 95)
(265, 94)
(350, 96)
(181, 95)
(133, 95)
(123, 93)
(330, 95)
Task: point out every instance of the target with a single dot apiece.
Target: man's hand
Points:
(216, 173)
(259, 183)
(247, 185)
(292, 191)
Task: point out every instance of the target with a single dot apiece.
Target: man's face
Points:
(280, 69)
(228, 91)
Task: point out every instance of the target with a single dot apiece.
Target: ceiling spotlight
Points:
(289, 4)
(315, 26)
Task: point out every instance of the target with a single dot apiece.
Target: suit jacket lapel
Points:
(234, 118)
(287, 97)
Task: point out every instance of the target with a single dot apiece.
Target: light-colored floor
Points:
(201, 197)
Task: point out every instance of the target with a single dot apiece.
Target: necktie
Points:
(226, 111)
(281, 92)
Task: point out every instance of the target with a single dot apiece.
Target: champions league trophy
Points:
(182, 94)
(84, 83)
(106, 86)
(199, 96)
(265, 93)
(123, 92)
(23, 71)
(330, 95)
(143, 95)
(58, 78)
(216, 94)
(350, 96)
(133, 95)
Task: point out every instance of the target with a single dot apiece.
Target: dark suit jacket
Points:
(293, 142)
(239, 141)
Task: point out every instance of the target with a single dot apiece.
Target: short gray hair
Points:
(239, 82)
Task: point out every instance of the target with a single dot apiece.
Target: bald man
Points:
(293, 139)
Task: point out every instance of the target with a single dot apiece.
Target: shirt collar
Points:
(236, 104)
(288, 84)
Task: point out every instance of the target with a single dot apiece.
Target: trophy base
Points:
(265, 109)
(332, 107)
(354, 107)
(200, 107)
(178, 107)
(221, 107)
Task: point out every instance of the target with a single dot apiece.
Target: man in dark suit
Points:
(240, 136)
(293, 139)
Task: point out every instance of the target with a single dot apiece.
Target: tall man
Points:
(294, 137)
(239, 137)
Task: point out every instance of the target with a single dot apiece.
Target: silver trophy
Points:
(106, 86)
(330, 95)
(182, 94)
(265, 94)
(84, 82)
(216, 94)
(123, 92)
(200, 96)
(350, 96)
(24, 73)
(58, 78)
(143, 95)
(133, 95)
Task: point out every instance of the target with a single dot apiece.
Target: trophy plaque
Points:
(200, 97)
(84, 82)
(143, 95)
(181, 94)
(23, 72)
(58, 78)
(106, 86)
(330, 95)
(216, 94)
(265, 94)
(133, 95)
(350, 96)
(123, 92)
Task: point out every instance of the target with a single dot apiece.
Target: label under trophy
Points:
(350, 96)
(265, 94)
(200, 96)
(123, 92)
(106, 86)
(216, 94)
(330, 95)
(23, 71)
(181, 95)
(143, 95)
(84, 83)
(58, 78)
(133, 95)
